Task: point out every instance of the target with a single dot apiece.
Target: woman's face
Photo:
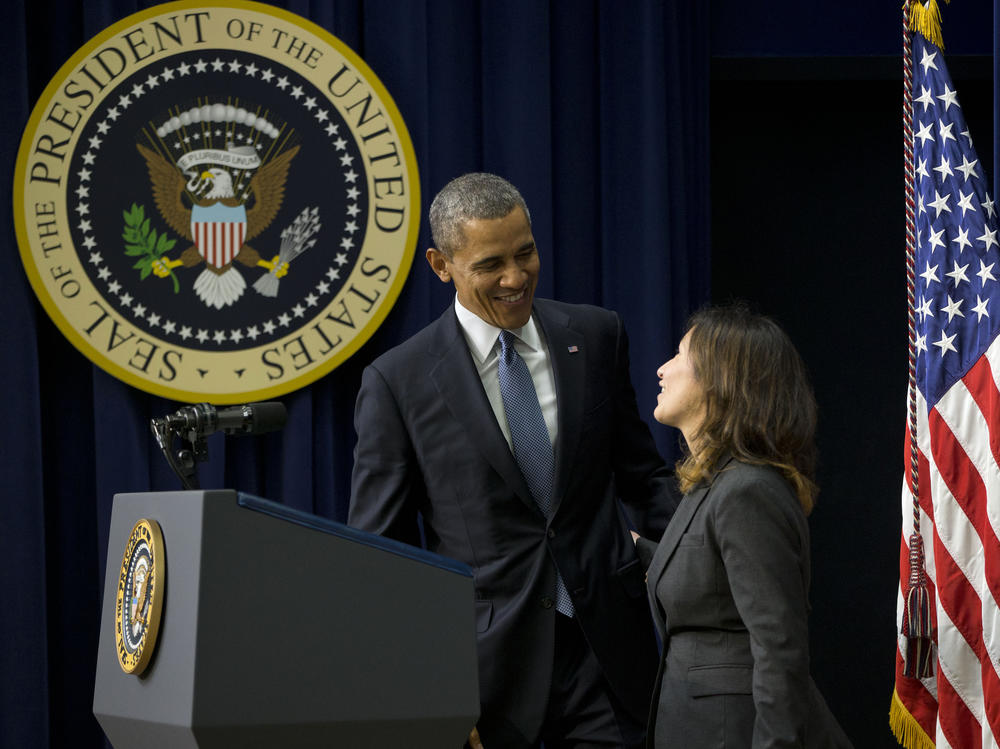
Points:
(681, 402)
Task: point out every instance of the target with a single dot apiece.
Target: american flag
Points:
(957, 317)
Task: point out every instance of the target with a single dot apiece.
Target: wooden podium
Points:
(283, 629)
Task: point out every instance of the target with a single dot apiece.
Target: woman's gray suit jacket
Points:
(729, 584)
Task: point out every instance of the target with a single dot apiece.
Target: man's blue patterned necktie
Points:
(530, 438)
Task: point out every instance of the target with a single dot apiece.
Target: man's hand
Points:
(635, 540)
(474, 741)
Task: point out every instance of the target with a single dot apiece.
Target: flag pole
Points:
(916, 622)
(918, 656)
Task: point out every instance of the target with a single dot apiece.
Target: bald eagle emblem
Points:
(220, 200)
(139, 603)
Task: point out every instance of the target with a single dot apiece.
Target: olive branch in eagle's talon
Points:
(144, 242)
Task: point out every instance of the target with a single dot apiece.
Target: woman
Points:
(729, 580)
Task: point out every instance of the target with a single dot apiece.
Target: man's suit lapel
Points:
(457, 380)
(568, 356)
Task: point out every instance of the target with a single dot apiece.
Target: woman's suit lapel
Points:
(671, 538)
(664, 551)
(668, 545)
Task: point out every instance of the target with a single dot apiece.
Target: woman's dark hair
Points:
(759, 405)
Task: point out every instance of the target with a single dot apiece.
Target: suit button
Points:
(552, 533)
(547, 603)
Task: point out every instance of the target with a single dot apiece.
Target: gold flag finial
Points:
(925, 19)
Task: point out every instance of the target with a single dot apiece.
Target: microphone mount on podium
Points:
(181, 435)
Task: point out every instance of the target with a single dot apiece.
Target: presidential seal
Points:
(140, 597)
(216, 201)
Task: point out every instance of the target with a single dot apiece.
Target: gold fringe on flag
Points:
(926, 20)
(905, 727)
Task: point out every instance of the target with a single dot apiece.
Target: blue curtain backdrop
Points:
(597, 110)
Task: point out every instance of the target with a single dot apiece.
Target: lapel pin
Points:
(572, 349)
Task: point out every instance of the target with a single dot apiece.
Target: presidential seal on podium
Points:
(140, 597)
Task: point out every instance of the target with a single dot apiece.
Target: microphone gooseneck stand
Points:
(191, 447)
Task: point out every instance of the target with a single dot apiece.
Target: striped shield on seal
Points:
(218, 232)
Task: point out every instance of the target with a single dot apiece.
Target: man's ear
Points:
(439, 264)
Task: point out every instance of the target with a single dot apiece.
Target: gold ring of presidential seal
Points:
(216, 201)
(140, 597)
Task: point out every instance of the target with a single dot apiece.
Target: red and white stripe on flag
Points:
(219, 241)
(959, 480)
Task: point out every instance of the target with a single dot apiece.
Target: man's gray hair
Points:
(477, 195)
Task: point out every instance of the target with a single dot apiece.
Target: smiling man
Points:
(510, 425)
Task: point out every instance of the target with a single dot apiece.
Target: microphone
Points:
(250, 418)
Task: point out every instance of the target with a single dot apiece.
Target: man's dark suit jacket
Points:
(429, 443)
